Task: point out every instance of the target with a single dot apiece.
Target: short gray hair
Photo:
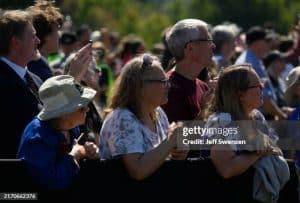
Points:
(183, 32)
(222, 34)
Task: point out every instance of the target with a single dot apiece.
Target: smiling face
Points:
(252, 97)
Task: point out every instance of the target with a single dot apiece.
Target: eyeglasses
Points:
(261, 83)
(199, 40)
(164, 82)
(255, 86)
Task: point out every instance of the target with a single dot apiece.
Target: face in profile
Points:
(230, 47)
(75, 118)
(52, 40)
(28, 43)
(155, 89)
(252, 97)
(264, 47)
(203, 48)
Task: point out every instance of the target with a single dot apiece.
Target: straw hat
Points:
(61, 95)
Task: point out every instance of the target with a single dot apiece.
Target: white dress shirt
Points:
(21, 71)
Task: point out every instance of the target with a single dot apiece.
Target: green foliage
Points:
(148, 18)
(150, 29)
(124, 16)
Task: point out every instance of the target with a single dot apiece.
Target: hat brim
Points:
(86, 97)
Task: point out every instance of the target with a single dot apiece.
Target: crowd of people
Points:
(73, 94)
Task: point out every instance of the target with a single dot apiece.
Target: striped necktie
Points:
(31, 84)
(32, 87)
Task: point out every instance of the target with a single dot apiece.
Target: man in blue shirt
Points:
(258, 41)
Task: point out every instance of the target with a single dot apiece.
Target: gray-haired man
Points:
(191, 45)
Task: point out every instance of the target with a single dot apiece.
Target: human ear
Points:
(15, 42)
(241, 96)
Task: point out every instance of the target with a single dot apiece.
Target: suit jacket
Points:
(40, 68)
(18, 107)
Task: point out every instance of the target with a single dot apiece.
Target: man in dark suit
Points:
(19, 101)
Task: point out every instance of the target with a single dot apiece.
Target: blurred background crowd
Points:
(149, 63)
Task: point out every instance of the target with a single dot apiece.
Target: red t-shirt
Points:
(185, 97)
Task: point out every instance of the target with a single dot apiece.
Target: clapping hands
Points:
(180, 151)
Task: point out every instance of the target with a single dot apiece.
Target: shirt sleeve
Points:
(263, 125)
(45, 166)
(163, 119)
(124, 134)
(219, 127)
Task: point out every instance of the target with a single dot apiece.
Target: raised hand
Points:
(80, 63)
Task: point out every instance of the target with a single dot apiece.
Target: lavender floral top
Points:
(123, 133)
(224, 120)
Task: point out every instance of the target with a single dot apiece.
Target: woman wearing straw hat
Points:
(48, 144)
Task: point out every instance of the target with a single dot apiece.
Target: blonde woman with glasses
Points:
(136, 129)
(237, 97)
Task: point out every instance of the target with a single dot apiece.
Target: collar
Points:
(44, 59)
(218, 57)
(252, 55)
(21, 71)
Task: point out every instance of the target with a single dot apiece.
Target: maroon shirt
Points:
(184, 99)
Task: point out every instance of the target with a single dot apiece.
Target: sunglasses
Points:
(164, 82)
(255, 86)
(260, 84)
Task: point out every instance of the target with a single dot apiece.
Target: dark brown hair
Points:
(45, 17)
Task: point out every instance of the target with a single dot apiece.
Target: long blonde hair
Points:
(128, 89)
(233, 80)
